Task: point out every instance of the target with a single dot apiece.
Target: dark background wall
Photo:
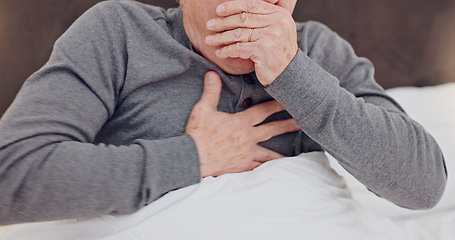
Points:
(411, 42)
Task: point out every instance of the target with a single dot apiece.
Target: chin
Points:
(236, 66)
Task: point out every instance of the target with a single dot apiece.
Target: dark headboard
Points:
(411, 42)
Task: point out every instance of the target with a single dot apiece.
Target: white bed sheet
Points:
(292, 198)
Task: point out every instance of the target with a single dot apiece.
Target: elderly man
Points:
(116, 119)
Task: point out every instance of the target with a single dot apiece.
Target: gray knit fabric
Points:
(100, 128)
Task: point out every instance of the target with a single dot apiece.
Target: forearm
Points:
(381, 146)
(43, 178)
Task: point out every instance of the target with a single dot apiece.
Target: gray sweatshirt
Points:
(100, 128)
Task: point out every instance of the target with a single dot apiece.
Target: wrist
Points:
(273, 73)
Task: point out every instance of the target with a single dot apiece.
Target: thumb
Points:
(212, 90)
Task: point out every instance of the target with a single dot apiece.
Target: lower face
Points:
(196, 13)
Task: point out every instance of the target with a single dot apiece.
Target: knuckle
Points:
(262, 114)
(252, 5)
(238, 33)
(243, 118)
(243, 19)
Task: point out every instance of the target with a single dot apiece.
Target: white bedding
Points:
(292, 198)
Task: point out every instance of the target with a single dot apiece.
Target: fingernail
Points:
(210, 79)
(220, 9)
(217, 52)
(211, 23)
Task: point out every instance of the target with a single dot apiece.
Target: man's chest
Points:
(160, 108)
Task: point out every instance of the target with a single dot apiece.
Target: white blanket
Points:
(292, 198)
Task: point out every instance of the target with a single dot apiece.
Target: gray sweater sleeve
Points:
(49, 168)
(334, 98)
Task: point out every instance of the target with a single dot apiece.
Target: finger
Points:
(244, 50)
(253, 165)
(269, 130)
(251, 6)
(232, 36)
(212, 90)
(264, 155)
(240, 20)
(259, 112)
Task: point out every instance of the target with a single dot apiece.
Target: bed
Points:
(305, 197)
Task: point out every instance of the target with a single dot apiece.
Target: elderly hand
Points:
(259, 30)
(228, 143)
